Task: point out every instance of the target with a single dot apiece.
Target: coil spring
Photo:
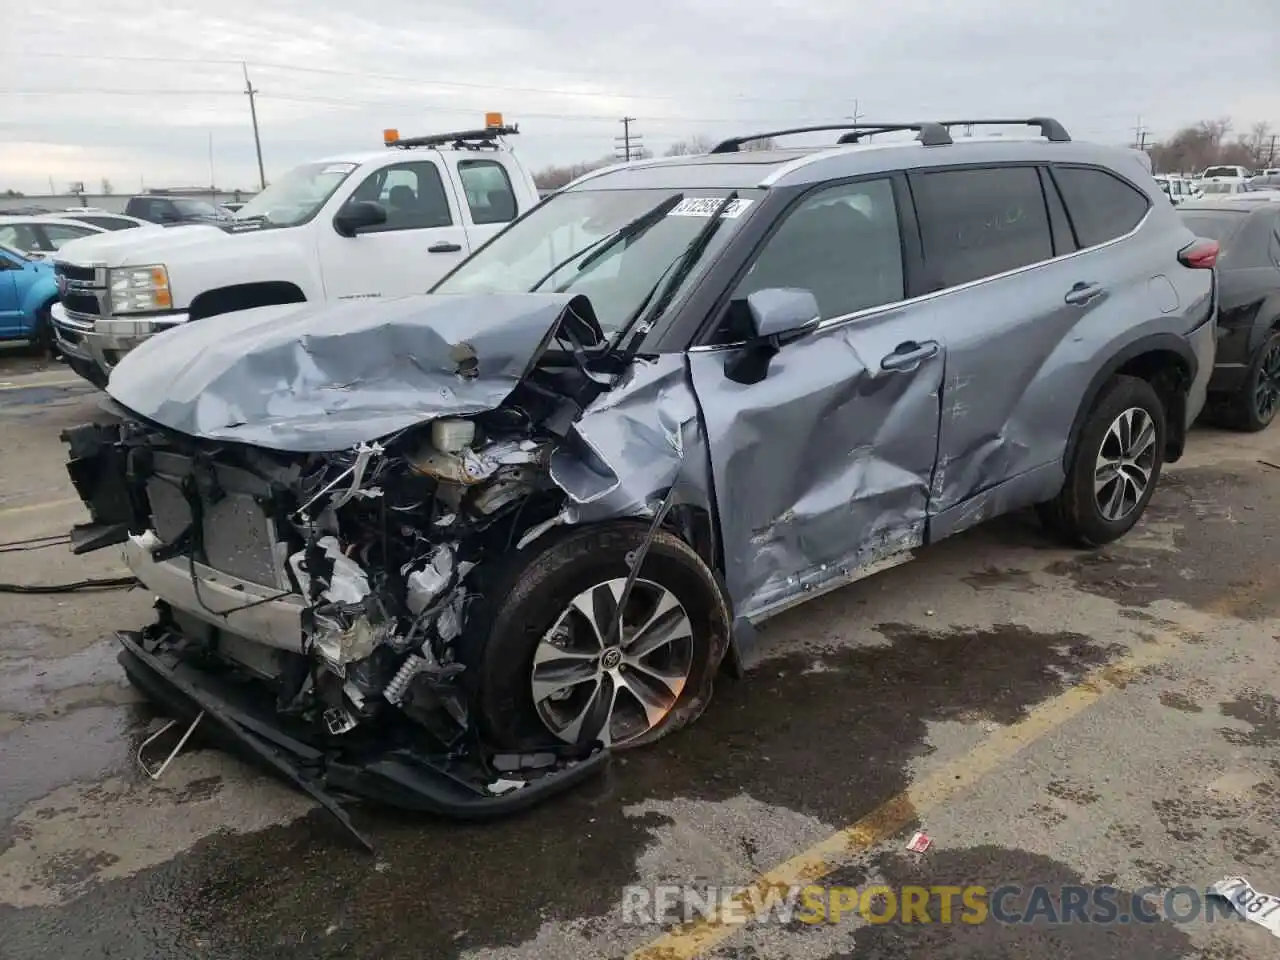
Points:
(395, 690)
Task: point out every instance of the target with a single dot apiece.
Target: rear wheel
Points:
(549, 665)
(1114, 468)
(1256, 403)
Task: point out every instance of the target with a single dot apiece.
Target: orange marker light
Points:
(390, 135)
(493, 119)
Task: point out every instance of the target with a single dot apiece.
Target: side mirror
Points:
(778, 311)
(778, 314)
(355, 215)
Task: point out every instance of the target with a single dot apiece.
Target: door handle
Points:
(444, 247)
(1082, 293)
(909, 355)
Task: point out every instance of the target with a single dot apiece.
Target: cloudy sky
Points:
(333, 74)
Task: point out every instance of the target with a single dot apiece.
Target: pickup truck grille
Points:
(81, 303)
(82, 290)
(73, 272)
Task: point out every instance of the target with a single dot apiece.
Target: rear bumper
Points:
(242, 719)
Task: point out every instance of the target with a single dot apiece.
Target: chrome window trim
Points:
(925, 297)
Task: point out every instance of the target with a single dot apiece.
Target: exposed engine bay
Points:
(325, 598)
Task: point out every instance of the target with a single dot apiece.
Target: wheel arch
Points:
(1164, 360)
(245, 296)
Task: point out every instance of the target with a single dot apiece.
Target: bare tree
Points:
(1192, 148)
(692, 145)
(107, 189)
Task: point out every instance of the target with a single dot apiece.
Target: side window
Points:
(841, 243)
(20, 236)
(1101, 205)
(413, 193)
(979, 223)
(58, 235)
(488, 189)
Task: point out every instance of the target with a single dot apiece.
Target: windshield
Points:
(1221, 172)
(297, 196)
(566, 245)
(195, 208)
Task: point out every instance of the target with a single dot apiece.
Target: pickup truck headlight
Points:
(139, 289)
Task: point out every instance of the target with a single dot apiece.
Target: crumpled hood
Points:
(323, 377)
(140, 245)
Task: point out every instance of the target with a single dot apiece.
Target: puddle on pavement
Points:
(41, 755)
(30, 685)
(1261, 711)
(830, 745)
(1219, 524)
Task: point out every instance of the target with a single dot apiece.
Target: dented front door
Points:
(822, 469)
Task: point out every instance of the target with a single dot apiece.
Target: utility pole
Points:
(1271, 151)
(1140, 135)
(627, 139)
(253, 113)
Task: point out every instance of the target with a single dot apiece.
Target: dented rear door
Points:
(822, 468)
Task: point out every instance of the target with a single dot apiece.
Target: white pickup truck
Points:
(363, 225)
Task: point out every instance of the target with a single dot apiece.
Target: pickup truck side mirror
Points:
(355, 215)
(777, 315)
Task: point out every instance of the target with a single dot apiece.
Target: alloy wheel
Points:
(1125, 463)
(1266, 393)
(592, 682)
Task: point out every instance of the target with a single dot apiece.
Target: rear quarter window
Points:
(980, 222)
(1101, 205)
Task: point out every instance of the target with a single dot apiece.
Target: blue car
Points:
(27, 291)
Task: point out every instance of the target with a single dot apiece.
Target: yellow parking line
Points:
(692, 940)
(40, 384)
(33, 507)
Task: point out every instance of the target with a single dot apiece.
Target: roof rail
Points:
(460, 140)
(1050, 128)
(931, 134)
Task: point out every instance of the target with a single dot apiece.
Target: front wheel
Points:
(549, 662)
(43, 343)
(1114, 468)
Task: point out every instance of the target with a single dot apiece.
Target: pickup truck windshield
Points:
(297, 196)
(567, 245)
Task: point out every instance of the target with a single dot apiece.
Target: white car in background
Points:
(1178, 189)
(108, 221)
(38, 237)
(1225, 172)
(1224, 185)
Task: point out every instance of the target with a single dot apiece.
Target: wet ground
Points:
(1047, 716)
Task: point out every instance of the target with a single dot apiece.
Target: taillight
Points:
(1199, 254)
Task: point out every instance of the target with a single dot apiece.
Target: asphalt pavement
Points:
(1053, 717)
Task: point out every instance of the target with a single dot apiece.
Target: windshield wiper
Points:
(595, 250)
(669, 281)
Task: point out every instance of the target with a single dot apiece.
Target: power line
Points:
(397, 78)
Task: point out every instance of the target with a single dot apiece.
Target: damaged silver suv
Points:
(446, 551)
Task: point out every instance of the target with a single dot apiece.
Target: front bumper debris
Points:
(476, 786)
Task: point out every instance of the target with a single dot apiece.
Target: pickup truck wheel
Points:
(1115, 466)
(547, 667)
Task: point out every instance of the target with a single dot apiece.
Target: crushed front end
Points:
(315, 605)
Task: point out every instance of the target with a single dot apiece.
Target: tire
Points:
(42, 340)
(1246, 410)
(526, 600)
(1076, 514)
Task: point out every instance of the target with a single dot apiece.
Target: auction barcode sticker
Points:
(1263, 909)
(706, 206)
